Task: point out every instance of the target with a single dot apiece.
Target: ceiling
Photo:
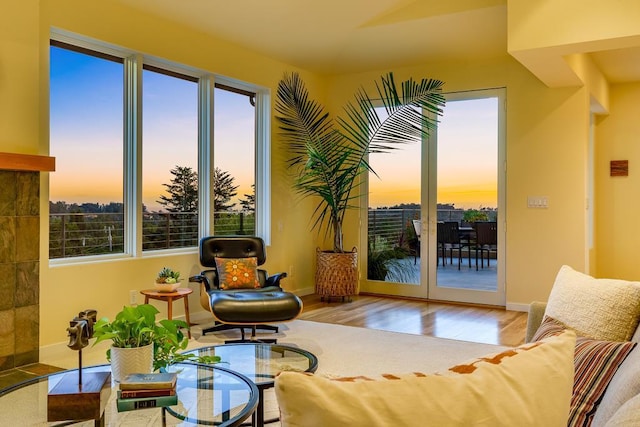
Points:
(344, 36)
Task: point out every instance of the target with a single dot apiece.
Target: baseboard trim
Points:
(515, 306)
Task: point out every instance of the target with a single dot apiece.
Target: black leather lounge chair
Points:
(258, 302)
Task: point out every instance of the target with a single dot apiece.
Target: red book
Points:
(132, 394)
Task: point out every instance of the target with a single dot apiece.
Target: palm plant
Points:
(328, 156)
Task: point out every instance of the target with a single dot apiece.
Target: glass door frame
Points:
(429, 227)
(427, 288)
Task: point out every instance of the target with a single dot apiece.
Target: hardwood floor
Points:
(436, 319)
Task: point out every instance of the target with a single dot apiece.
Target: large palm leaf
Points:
(328, 156)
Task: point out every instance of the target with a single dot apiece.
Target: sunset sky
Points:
(86, 139)
(86, 131)
(467, 161)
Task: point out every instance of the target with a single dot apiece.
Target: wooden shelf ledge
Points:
(27, 162)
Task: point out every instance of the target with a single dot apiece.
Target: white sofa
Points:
(584, 341)
(620, 405)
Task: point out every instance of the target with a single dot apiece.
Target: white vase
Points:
(125, 361)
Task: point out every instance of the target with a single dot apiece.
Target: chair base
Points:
(217, 327)
(253, 336)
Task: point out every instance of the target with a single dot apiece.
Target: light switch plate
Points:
(537, 202)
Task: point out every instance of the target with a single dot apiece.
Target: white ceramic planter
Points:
(125, 361)
(166, 287)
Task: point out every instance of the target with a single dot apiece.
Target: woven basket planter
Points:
(336, 273)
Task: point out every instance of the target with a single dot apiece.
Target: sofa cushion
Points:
(603, 309)
(624, 385)
(628, 415)
(596, 362)
(504, 389)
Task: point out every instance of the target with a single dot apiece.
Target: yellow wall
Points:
(547, 134)
(105, 286)
(19, 78)
(618, 198)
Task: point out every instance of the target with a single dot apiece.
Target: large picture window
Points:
(86, 215)
(140, 167)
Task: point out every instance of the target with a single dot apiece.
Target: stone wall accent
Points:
(19, 268)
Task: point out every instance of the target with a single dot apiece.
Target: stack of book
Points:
(138, 391)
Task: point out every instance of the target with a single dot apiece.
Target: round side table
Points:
(169, 297)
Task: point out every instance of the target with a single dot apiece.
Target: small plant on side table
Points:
(167, 275)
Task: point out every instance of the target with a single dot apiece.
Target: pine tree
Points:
(223, 190)
(249, 202)
(183, 191)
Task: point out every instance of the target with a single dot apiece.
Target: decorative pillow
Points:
(602, 309)
(526, 386)
(596, 362)
(238, 273)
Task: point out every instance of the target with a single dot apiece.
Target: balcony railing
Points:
(84, 234)
(393, 228)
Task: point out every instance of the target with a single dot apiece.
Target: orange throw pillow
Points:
(238, 273)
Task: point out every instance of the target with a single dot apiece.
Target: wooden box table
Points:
(169, 297)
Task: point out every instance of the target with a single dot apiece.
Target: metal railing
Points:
(84, 234)
(393, 228)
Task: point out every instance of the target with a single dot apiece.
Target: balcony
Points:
(391, 232)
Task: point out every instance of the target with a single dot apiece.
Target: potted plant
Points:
(471, 216)
(140, 344)
(329, 157)
(168, 280)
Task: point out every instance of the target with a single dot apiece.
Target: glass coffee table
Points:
(261, 362)
(207, 394)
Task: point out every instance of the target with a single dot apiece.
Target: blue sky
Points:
(87, 130)
(87, 127)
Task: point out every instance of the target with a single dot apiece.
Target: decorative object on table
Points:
(135, 329)
(77, 396)
(138, 391)
(329, 157)
(168, 280)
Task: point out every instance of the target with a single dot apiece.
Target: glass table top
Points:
(260, 362)
(207, 394)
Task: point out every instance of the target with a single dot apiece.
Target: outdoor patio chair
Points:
(417, 224)
(486, 240)
(449, 238)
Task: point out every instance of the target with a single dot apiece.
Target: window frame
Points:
(134, 63)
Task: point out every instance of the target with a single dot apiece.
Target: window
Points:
(170, 160)
(86, 193)
(234, 161)
(139, 165)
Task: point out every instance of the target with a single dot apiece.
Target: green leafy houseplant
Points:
(136, 326)
(328, 156)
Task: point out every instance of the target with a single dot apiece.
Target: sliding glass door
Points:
(435, 217)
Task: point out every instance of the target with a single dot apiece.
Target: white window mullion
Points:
(263, 166)
(205, 155)
(133, 155)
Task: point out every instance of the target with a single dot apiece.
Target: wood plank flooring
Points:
(436, 319)
(454, 321)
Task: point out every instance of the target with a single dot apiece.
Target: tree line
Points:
(182, 195)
